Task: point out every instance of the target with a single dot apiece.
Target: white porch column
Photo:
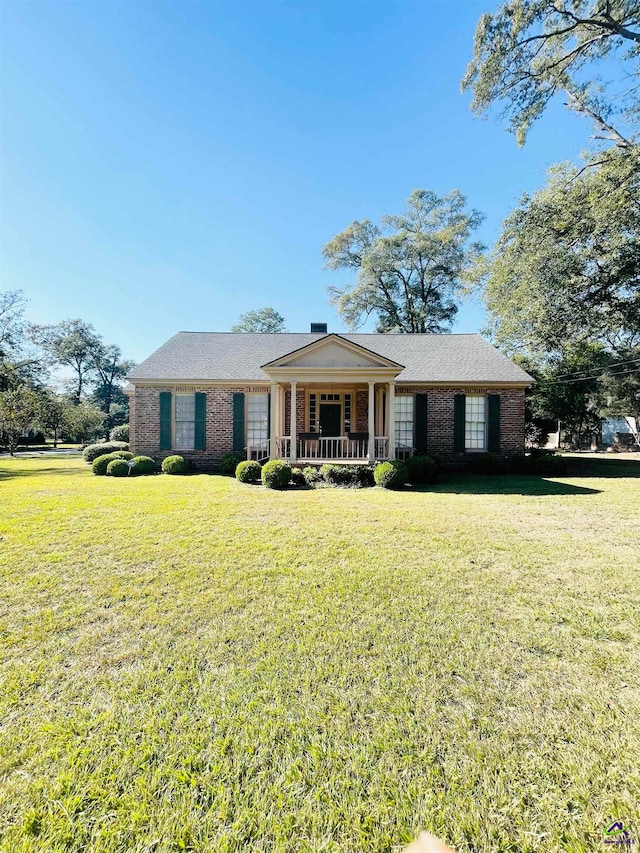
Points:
(293, 419)
(277, 402)
(282, 420)
(372, 423)
(273, 421)
(391, 420)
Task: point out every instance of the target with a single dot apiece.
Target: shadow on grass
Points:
(466, 484)
(9, 473)
(603, 466)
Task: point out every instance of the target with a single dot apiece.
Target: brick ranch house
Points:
(356, 397)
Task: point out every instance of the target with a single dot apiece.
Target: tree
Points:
(18, 413)
(530, 50)
(55, 414)
(17, 366)
(72, 343)
(261, 320)
(410, 268)
(84, 421)
(566, 267)
(570, 389)
(111, 370)
(12, 324)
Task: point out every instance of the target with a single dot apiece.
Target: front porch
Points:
(312, 423)
(330, 401)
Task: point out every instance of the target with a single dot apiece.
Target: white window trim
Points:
(482, 449)
(174, 442)
(413, 421)
(252, 394)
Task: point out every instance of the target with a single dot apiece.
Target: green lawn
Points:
(192, 664)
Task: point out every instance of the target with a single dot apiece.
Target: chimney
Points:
(318, 328)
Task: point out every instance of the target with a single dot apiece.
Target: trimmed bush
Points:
(390, 475)
(92, 451)
(230, 462)
(297, 477)
(421, 469)
(142, 465)
(347, 476)
(248, 471)
(486, 463)
(175, 465)
(119, 433)
(99, 465)
(549, 465)
(311, 475)
(118, 468)
(276, 474)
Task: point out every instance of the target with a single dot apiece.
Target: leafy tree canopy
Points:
(260, 320)
(72, 343)
(530, 50)
(566, 267)
(410, 268)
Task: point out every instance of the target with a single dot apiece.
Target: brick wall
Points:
(301, 403)
(440, 420)
(145, 425)
(145, 421)
(362, 411)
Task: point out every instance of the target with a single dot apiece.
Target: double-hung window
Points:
(257, 419)
(475, 422)
(404, 420)
(185, 421)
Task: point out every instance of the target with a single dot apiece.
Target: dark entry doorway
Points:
(330, 419)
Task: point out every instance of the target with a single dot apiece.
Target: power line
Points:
(586, 378)
(587, 370)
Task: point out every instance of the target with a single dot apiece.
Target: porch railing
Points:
(260, 450)
(324, 447)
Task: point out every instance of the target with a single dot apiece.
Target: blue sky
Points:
(169, 165)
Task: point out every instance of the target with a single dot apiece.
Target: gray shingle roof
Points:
(225, 356)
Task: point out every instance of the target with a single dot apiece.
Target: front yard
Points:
(192, 664)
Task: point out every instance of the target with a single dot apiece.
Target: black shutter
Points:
(420, 438)
(493, 431)
(458, 422)
(165, 420)
(200, 426)
(238, 422)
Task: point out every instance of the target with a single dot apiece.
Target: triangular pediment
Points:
(333, 352)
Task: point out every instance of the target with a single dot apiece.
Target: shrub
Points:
(142, 465)
(119, 433)
(390, 475)
(276, 474)
(99, 465)
(248, 471)
(230, 462)
(92, 451)
(549, 465)
(421, 469)
(333, 474)
(311, 475)
(297, 477)
(486, 463)
(175, 465)
(349, 476)
(118, 468)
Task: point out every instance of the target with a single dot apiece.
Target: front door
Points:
(330, 419)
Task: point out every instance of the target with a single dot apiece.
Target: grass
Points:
(189, 663)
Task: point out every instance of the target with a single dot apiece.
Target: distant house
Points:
(621, 431)
(310, 398)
